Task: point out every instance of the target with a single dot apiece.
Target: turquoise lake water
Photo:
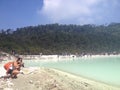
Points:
(102, 69)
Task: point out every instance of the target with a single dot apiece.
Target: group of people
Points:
(13, 68)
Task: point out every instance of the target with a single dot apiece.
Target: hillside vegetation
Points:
(62, 39)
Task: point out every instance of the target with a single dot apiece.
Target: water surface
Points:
(103, 69)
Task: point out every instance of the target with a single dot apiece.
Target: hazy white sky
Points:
(81, 11)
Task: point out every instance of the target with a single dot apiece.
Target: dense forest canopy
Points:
(61, 39)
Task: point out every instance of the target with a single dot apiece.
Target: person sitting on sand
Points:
(13, 68)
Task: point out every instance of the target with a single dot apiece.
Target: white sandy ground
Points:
(2, 71)
(50, 79)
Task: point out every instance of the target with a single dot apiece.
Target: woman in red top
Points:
(9, 67)
(13, 68)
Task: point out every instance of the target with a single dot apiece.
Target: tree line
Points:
(62, 39)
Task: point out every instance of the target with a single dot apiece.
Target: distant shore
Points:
(62, 57)
(6, 56)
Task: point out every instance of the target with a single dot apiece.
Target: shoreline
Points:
(89, 80)
(67, 80)
(53, 79)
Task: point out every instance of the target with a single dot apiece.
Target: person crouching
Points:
(13, 68)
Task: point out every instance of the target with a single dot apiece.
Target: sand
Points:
(51, 79)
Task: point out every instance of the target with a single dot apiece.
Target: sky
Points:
(21, 13)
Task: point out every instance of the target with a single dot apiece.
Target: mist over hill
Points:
(59, 39)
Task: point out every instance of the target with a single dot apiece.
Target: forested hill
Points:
(59, 39)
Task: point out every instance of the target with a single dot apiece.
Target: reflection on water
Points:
(104, 69)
